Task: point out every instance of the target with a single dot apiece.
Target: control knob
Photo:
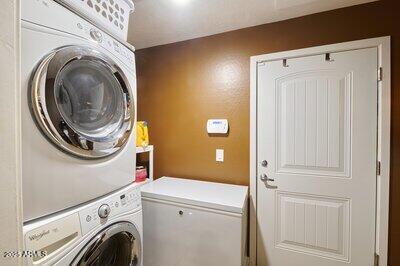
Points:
(96, 35)
(104, 211)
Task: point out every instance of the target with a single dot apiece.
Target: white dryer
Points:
(107, 231)
(78, 110)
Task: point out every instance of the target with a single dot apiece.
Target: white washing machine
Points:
(104, 232)
(78, 110)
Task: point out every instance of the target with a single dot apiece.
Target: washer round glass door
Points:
(118, 244)
(82, 101)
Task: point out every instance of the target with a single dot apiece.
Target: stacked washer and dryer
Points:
(78, 146)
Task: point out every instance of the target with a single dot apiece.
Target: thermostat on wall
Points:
(217, 126)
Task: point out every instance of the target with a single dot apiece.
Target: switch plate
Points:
(219, 155)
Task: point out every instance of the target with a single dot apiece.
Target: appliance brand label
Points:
(38, 236)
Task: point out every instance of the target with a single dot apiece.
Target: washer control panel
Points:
(101, 211)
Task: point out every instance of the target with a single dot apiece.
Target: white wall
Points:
(10, 173)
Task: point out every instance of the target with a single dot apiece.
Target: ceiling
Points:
(157, 22)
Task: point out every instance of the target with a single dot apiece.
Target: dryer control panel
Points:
(104, 210)
(51, 14)
(107, 42)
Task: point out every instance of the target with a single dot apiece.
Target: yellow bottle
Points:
(142, 134)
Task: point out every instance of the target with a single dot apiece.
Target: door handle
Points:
(265, 178)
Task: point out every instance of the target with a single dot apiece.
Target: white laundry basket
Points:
(112, 15)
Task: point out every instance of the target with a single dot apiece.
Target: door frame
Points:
(383, 134)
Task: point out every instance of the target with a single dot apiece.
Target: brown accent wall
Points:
(181, 85)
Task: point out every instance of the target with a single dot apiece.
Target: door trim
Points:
(383, 133)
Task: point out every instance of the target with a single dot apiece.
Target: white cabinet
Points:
(190, 223)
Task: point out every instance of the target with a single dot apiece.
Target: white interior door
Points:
(317, 131)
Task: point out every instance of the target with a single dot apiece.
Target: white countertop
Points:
(231, 198)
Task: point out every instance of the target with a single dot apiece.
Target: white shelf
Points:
(149, 149)
(143, 182)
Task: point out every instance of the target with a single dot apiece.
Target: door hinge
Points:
(380, 74)
(378, 168)
(261, 63)
(376, 259)
(284, 63)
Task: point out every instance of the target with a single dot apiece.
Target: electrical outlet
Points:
(219, 155)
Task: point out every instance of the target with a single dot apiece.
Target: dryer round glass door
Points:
(119, 244)
(82, 101)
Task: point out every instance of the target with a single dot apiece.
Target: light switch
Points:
(219, 155)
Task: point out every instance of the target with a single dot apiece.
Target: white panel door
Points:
(317, 131)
